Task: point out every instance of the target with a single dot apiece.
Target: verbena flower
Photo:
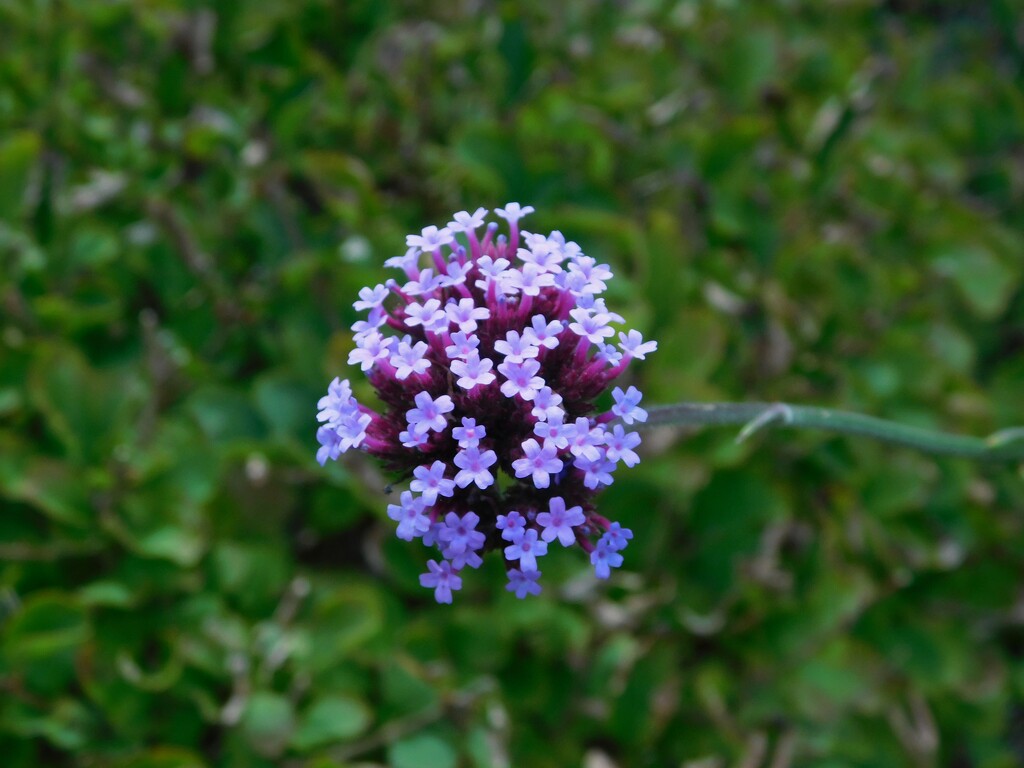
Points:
(499, 348)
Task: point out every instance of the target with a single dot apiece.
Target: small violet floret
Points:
(526, 548)
(470, 433)
(442, 578)
(410, 516)
(430, 482)
(560, 523)
(523, 583)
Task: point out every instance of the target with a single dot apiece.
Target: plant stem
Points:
(1005, 445)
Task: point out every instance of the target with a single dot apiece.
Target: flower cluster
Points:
(487, 358)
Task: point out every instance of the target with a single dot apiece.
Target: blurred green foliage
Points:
(815, 201)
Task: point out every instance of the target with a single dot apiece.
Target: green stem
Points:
(1005, 445)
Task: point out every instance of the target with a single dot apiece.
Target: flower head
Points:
(503, 345)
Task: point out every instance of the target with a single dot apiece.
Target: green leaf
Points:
(330, 719)
(86, 408)
(66, 723)
(177, 544)
(254, 574)
(53, 487)
(985, 283)
(107, 593)
(284, 403)
(162, 757)
(404, 688)
(423, 751)
(18, 153)
(748, 61)
(47, 623)
(346, 619)
(40, 641)
(268, 722)
(224, 415)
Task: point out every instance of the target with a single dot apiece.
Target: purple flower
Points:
(473, 465)
(538, 462)
(554, 431)
(371, 297)
(584, 439)
(608, 353)
(465, 314)
(455, 274)
(410, 516)
(542, 333)
(406, 263)
(337, 402)
(432, 537)
(330, 444)
(491, 270)
(430, 239)
(634, 345)
(523, 583)
(473, 371)
(429, 413)
(595, 473)
(443, 579)
(410, 438)
(619, 446)
(616, 537)
(460, 533)
(470, 433)
(513, 212)
(462, 346)
(547, 404)
(603, 559)
(526, 549)
(425, 284)
(481, 331)
(409, 359)
(467, 222)
(515, 348)
(559, 522)
(530, 280)
(542, 254)
(377, 317)
(468, 558)
(591, 326)
(591, 273)
(428, 315)
(352, 429)
(521, 379)
(371, 348)
(511, 525)
(430, 482)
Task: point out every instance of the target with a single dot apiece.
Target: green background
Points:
(811, 201)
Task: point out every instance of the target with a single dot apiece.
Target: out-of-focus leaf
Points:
(979, 275)
(162, 757)
(421, 752)
(223, 416)
(47, 624)
(330, 719)
(50, 485)
(268, 722)
(86, 408)
(39, 642)
(66, 724)
(346, 619)
(18, 153)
